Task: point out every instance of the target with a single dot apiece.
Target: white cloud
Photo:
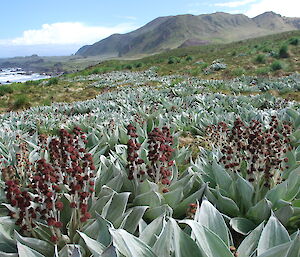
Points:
(66, 33)
(289, 8)
(234, 3)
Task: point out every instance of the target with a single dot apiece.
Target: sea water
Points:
(11, 75)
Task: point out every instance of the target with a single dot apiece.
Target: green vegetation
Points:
(53, 81)
(283, 52)
(276, 65)
(4, 89)
(242, 63)
(261, 58)
(21, 102)
(294, 41)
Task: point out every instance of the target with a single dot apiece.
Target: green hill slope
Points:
(173, 31)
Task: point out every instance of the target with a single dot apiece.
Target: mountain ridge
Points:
(169, 32)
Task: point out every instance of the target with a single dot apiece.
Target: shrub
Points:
(283, 52)
(20, 102)
(262, 71)
(294, 41)
(276, 65)
(261, 58)
(173, 59)
(53, 81)
(238, 72)
(189, 58)
(5, 90)
(138, 65)
(96, 71)
(128, 67)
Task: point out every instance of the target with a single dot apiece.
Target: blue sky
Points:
(59, 27)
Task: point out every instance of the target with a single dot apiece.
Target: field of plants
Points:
(157, 166)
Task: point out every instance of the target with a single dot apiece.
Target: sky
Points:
(61, 27)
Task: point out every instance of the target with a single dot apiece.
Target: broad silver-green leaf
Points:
(40, 246)
(249, 244)
(272, 235)
(210, 243)
(277, 251)
(184, 245)
(152, 231)
(242, 225)
(95, 247)
(162, 245)
(261, 211)
(222, 177)
(211, 218)
(129, 245)
(25, 251)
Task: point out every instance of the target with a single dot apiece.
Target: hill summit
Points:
(171, 32)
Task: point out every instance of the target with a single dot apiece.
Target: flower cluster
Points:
(191, 210)
(159, 162)
(68, 170)
(262, 149)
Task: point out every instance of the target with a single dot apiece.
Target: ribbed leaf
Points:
(211, 218)
(210, 243)
(184, 245)
(129, 245)
(249, 244)
(25, 251)
(95, 247)
(38, 245)
(272, 235)
(242, 225)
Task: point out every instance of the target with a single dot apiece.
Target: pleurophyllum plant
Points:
(154, 176)
(47, 188)
(248, 176)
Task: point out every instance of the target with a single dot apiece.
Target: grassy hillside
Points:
(249, 57)
(261, 57)
(173, 31)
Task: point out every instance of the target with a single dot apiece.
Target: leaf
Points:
(249, 244)
(153, 213)
(36, 244)
(110, 252)
(223, 179)
(152, 231)
(132, 218)
(25, 251)
(292, 113)
(272, 235)
(95, 247)
(129, 245)
(211, 218)
(242, 225)
(71, 250)
(210, 243)
(284, 214)
(6, 244)
(277, 251)
(294, 249)
(4, 254)
(184, 245)
(116, 207)
(162, 245)
(227, 205)
(245, 191)
(260, 212)
(180, 210)
(174, 197)
(150, 198)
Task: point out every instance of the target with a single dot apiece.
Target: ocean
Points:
(11, 75)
